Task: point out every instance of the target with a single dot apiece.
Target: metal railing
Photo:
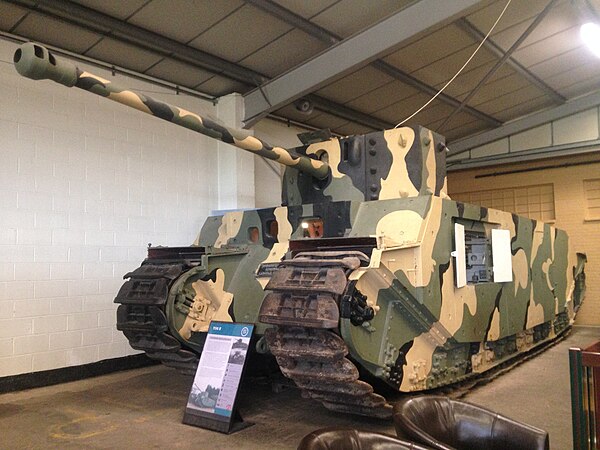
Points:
(585, 396)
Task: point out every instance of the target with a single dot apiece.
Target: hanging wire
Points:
(459, 70)
(499, 63)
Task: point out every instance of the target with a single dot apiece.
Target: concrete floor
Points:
(143, 408)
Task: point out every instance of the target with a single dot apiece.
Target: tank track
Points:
(460, 389)
(304, 303)
(141, 314)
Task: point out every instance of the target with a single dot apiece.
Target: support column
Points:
(236, 167)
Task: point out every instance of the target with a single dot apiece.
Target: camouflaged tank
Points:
(368, 264)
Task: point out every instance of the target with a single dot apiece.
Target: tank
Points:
(367, 267)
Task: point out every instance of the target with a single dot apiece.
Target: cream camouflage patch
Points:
(400, 228)
(280, 248)
(494, 331)
(535, 312)
(430, 163)
(418, 364)
(453, 302)
(211, 302)
(284, 227)
(520, 270)
(398, 183)
(230, 227)
(332, 148)
(432, 228)
(95, 77)
(130, 99)
(370, 282)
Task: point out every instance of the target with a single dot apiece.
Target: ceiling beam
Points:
(532, 26)
(554, 151)
(18, 39)
(384, 35)
(333, 108)
(295, 20)
(109, 26)
(106, 25)
(471, 30)
(567, 109)
(430, 90)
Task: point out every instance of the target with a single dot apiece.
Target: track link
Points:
(303, 302)
(141, 314)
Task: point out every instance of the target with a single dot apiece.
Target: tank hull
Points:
(368, 265)
(401, 312)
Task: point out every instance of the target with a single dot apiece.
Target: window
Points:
(312, 227)
(253, 235)
(477, 257)
(535, 202)
(272, 228)
(591, 190)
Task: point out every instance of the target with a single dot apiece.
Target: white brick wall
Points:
(85, 184)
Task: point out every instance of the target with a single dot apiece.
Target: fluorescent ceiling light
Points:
(590, 33)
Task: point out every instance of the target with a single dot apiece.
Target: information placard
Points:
(211, 403)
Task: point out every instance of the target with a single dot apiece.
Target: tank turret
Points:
(396, 163)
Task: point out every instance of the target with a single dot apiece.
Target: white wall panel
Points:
(85, 184)
(576, 128)
(537, 137)
(491, 149)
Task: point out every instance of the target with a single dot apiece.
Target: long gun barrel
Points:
(36, 62)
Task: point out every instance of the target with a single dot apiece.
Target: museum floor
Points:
(143, 408)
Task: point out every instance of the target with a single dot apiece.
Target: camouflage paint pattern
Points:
(211, 302)
(427, 331)
(387, 191)
(412, 276)
(398, 163)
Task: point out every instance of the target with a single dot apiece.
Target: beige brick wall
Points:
(568, 176)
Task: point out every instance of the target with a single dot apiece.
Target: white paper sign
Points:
(211, 403)
(501, 256)
(460, 260)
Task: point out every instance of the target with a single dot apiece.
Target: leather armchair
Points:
(351, 439)
(446, 424)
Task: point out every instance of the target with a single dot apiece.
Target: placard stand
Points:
(228, 427)
(212, 399)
